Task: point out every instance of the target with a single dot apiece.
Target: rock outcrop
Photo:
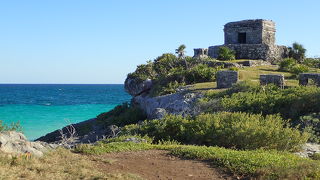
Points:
(88, 131)
(136, 87)
(181, 103)
(308, 150)
(16, 143)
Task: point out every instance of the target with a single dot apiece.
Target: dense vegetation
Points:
(224, 129)
(291, 65)
(225, 54)
(168, 71)
(122, 115)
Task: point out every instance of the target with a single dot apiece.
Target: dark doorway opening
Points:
(242, 38)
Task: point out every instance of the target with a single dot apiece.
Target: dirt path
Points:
(157, 164)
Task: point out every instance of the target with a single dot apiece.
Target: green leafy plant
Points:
(225, 53)
(290, 103)
(286, 64)
(311, 124)
(122, 115)
(297, 51)
(14, 126)
(232, 130)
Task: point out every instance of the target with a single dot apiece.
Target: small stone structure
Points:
(225, 79)
(304, 78)
(277, 79)
(251, 39)
(200, 53)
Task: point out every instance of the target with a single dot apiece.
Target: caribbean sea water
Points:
(42, 108)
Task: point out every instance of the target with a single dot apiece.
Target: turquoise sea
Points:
(42, 108)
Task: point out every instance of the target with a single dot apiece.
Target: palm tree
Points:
(181, 54)
(297, 52)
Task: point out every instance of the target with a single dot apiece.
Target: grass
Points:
(255, 163)
(251, 74)
(59, 164)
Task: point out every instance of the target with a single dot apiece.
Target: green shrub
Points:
(201, 73)
(163, 64)
(297, 51)
(179, 76)
(232, 130)
(291, 65)
(286, 64)
(243, 86)
(315, 156)
(225, 53)
(143, 72)
(311, 123)
(256, 164)
(14, 126)
(290, 103)
(233, 68)
(122, 115)
(312, 62)
(299, 68)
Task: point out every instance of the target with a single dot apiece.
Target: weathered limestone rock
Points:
(135, 140)
(277, 79)
(308, 150)
(253, 63)
(177, 103)
(12, 142)
(223, 64)
(225, 79)
(304, 78)
(136, 87)
(158, 113)
(88, 131)
(200, 53)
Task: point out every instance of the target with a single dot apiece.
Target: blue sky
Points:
(81, 41)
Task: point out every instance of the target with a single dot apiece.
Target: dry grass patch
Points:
(59, 164)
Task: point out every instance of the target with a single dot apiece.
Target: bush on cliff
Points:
(226, 129)
(312, 62)
(14, 126)
(168, 72)
(290, 103)
(311, 124)
(225, 53)
(291, 65)
(122, 115)
(298, 52)
(179, 76)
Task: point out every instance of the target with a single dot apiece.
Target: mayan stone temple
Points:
(250, 39)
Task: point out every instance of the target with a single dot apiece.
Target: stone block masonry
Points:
(200, 53)
(304, 78)
(225, 79)
(277, 79)
(250, 39)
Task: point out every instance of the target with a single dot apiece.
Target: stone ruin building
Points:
(250, 39)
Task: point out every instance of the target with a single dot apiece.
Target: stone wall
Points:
(253, 51)
(200, 53)
(225, 79)
(277, 79)
(304, 78)
(257, 31)
(259, 41)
